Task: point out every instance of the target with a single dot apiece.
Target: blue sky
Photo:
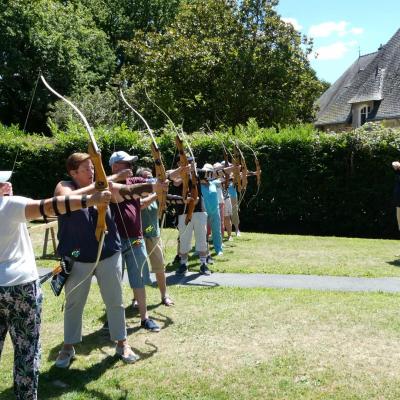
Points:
(341, 28)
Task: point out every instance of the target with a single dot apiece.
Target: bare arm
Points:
(125, 192)
(175, 199)
(65, 188)
(32, 209)
(176, 174)
(146, 201)
(120, 176)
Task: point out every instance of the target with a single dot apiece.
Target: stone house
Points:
(368, 91)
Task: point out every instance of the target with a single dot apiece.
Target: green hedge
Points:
(312, 182)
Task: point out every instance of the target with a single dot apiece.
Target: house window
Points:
(364, 112)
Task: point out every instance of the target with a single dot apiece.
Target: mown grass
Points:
(292, 254)
(226, 343)
(230, 343)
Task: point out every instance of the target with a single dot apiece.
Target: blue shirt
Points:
(232, 190)
(210, 197)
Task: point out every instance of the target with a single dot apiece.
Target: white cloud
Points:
(327, 29)
(357, 31)
(340, 28)
(334, 51)
(294, 22)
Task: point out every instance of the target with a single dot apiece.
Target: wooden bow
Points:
(194, 194)
(256, 173)
(95, 155)
(161, 174)
(101, 182)
(239, 158)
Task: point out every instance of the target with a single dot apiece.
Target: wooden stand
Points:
(49, 229)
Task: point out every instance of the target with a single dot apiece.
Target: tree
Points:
(62, 41)
(119, 19)
(223, 61)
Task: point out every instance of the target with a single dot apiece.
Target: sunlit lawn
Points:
(226, 343)
(292, 254)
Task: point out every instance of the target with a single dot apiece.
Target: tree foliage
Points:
(312, 182)
(62, 41)
(207, 63)
(224, 62)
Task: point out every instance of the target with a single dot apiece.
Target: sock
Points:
(203, 259)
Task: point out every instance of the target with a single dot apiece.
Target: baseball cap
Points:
(121, 156)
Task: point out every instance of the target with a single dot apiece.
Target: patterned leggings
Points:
(20, 309)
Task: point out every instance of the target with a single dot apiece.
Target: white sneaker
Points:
(64, 358)
(238, 233)
(220, 253)
(130, 356)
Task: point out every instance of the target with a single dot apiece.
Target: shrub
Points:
(312, 182)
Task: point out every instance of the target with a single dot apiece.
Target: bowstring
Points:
(26, 120)
(255, 158)
(162, 222)
(176, 149)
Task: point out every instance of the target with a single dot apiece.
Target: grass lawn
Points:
(225, 343)
(231, 343)
(292, 254)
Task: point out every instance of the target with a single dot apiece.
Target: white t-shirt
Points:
(17, 261)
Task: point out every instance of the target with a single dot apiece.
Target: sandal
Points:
(128, 357)
(167, 301)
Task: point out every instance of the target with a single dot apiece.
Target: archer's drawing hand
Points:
(396, 165)
(6, 189)
(103, 197)
(124, 174)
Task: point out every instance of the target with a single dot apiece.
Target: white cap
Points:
(121, 156)
(5, 176)
(208, 168)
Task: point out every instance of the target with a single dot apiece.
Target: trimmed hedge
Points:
(312, 182)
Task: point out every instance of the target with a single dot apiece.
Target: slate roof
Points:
(372, 77)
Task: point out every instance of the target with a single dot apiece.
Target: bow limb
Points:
(194, 194)
(95, 155)
(181, 133)
(193, 175)
(101, 184)
(244, 169)
(161, 174)
(226, 160)
(183, 162)
(257, 172)
(236, 171)
(243, 172)
(194, 180)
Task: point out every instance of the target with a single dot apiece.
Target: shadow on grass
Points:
(190, 280)
(56, 382)
(192, 260)
(395, 263)
(163, 320)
